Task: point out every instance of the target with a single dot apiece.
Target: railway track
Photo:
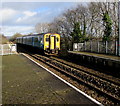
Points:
(105, 86)
(108, 78)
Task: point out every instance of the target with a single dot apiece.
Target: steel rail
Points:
(111, 90)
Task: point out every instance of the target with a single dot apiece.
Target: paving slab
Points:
(23, 82)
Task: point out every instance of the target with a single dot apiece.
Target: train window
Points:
(57, 39)
(36, 39)
(47, 39)
(29, 39)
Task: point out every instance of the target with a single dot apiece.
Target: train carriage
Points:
(47, 42)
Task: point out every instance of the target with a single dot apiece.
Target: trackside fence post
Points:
(9, 49)
(106, 46)
(85, 46)
(2, 49)
(77, 46)
(91, 46)
(98, 46)
(119, 29)
(116, 50)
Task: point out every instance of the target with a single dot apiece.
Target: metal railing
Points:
(6, 49)
(110, 47)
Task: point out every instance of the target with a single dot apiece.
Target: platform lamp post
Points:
(119, 28)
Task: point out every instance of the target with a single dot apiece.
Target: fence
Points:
(6, 49)
(110, 47)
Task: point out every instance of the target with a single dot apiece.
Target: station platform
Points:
(110, 57)
(108, 62)
(24, 82)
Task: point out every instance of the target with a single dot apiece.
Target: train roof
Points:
(34, 34)
(37, 34)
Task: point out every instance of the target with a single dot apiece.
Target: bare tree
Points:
(94, 20)
(90, 18)
(42, 27)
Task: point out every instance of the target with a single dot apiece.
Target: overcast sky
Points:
(22, 17)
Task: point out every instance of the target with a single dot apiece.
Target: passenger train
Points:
(49, 43)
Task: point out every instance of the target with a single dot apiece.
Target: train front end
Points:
(51, 43)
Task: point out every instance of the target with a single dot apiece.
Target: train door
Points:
(52, 42)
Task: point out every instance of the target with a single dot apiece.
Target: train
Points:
(48, 43)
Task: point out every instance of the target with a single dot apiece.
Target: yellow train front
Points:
(49, 43)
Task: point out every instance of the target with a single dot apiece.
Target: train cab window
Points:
(57, 39)
(47, 39)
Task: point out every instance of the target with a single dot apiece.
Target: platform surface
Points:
(26, 83)
(115, 58)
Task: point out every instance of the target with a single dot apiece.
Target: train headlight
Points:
(47, 46)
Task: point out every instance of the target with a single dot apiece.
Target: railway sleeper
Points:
(91, 80)
(110, 89)
(113, 91)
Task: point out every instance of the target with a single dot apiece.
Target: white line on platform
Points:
(95, 101)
